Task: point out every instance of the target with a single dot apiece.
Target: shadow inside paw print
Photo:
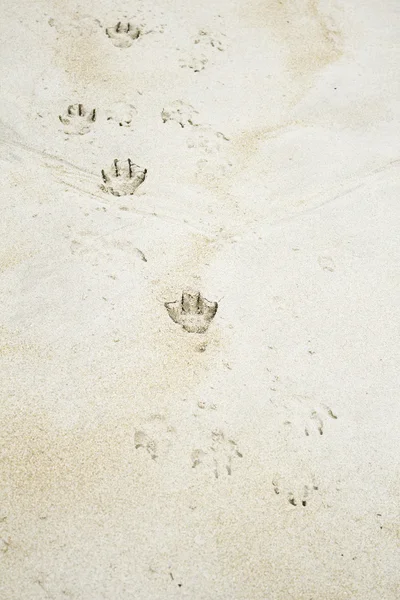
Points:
(123, 179)
(122, 35)
(295, 499)
(78, 120)
(219, 455)
(193, 312)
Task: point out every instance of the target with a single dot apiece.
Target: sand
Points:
(240, 442)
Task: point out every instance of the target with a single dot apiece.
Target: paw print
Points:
(154, 438)
(122, 35)
(180, 112)
(208, 141)
(219, 455)
(78, 120)
(298, 499)
(196, 63)
(206, 38)
(192, 311)
(122, 113)
(315, 423)
(123, 179)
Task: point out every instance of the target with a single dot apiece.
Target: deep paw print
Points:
(123, 178)
(301, 498)
(180, 112)
(122, 35)
(315, 423)
(122, 114)
(193, 312)
(78, 120)
(154, 437)
(219, 455)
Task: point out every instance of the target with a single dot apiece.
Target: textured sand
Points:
(258, 460)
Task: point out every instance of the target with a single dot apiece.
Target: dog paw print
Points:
(122, 35)
(123, 178)
(122, 114)
(180, 112)
(295, 499)
(193, 312)
(219, 455)
(154, 438)
(77, 120)
(315, 423)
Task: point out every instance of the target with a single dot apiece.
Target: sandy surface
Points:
(258, 459)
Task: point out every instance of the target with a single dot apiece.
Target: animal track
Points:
(315, 422)
(154, 438)
(207, 140)
(122, 113)
(300, 499)
(205, 44)
(196, 63)
(180, 112)
(122, 35)
(78, 120)
(219, 454)
(123, 179)
(206, 38)
(192, 311)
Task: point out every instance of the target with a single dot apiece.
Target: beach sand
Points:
(238, 445)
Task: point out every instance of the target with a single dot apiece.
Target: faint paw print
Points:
(155, 438)
(122, 35)
(122, 113)
(196, 63)
(207, 140)
(192, 311)
(298, 499)
(180, 112)
(315, 422)
(220, 454)
(207, 38)
(123, 179)
(78, 120)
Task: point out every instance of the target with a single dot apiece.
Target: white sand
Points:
(258, 460)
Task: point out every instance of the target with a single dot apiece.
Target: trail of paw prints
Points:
(300, 498)
(154, 437)
(218, 455)
(78, 120)
(205, 46)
